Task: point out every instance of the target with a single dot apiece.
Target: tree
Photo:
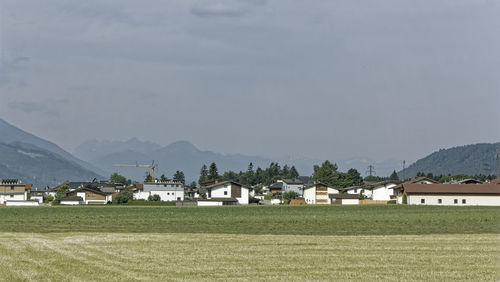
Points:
(115, 178)
(154, 198)
(148, 177)
(192, 185)
(285, 172)
(203, 174)
(213, 174)
(326, 173)
(61, 193)
(250, 175)
(394, 176)
(372, 178)
(179, 177)
(355, 177)
(163, 178)
(405, 199)
(124, 197)
(293, 173)
(290, 195)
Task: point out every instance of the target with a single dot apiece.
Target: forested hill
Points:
(469, 159)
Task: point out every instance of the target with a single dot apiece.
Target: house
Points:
(224, 193)
(452, 194)
(293, 185)
(469, 181)
(168, 191)
(13, 190)
(417, 180)
(275, 188)
(344, 199)
(289, 185)
(317, 193)
(378, 191)
(88, 195)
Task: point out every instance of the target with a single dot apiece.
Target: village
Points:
(416, 191)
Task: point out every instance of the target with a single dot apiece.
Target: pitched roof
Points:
(469, 181)
(97, 191)
(277, 185)
(315, 184)
(343, 196)
(411, 188)
(295, 181)
(223, 183)
(495, 181)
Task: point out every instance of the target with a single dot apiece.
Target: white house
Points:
(88, 196)
(224, 193)
(418, 180)
(168, 191)
(452, 194)
(380, 191)
(317, 193)
(293, 185)
(13, 190)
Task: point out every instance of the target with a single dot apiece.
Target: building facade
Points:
(168, 191)
(13, 190)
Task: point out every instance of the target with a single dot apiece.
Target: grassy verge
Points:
(161, 257)
(292, 220)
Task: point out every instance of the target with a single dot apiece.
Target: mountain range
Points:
(31, 159)
(184, 156)
(468, 159)
(41, 162)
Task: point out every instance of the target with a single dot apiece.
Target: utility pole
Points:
(497, 158)
(371, 170)
(404, 172)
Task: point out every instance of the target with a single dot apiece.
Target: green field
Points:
(113, 243)
(293, 220)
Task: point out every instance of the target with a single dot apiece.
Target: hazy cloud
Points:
(321, 79)
(228, 8)
(28, 107)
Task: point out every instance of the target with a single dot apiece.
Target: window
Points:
(168, 194)
(422, 201)
(455, 201)
(440, 201)
(355, 190)
(178, 198)
(463, 201)
(11, 187)
(12, 196)
(225, 193)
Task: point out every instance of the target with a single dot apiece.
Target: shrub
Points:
(268, 197)
(391, 202)
(405, 200)
(290, 195)
(154, 198)
(61, 193)
(49, 199)
(124, 197)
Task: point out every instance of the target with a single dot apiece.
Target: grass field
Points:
(160, 257)
(250, 243)
(293, 220)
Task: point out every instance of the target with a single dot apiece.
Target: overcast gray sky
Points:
(323, 79)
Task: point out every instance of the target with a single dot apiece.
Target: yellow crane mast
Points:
(152, 166)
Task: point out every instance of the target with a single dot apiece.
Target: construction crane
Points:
(152, 166)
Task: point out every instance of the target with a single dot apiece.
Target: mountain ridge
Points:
(467, 159)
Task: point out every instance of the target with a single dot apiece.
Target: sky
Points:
(389, 79)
